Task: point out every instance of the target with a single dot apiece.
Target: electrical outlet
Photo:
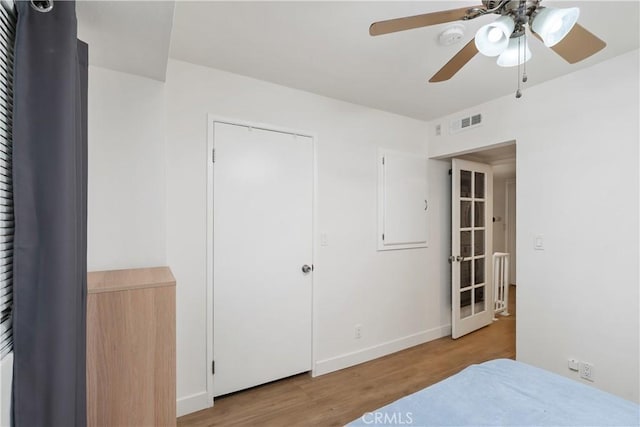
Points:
(358, 332)
(587, 371)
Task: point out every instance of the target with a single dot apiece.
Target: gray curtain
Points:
(49, 178)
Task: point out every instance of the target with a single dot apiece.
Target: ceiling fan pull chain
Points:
(524, 72)
(519, 92)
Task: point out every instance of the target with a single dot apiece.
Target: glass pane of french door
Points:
(472, 233)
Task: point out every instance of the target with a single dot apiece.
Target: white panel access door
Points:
(402, 200)
(262, 256)
(471, 246)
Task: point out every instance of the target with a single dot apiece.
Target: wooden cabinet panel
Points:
(131, 348)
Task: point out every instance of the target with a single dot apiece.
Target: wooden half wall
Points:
(131, 348)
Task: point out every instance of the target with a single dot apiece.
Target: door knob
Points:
(306, 269)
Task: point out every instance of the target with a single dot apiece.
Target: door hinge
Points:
(213, 155)
(383, 160)
(213, 367)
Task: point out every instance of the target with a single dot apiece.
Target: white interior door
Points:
(262, 238)
(471, 243)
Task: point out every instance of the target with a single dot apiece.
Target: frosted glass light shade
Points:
(509, 58)
(492, 39)
(552, 25)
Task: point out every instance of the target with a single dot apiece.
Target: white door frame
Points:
(211, 120)
(508, 244)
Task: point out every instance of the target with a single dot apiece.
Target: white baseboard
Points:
(199, 401)
(355, 358)
(195, 402)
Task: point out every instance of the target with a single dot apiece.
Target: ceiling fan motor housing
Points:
(520, 11)
(491, 4)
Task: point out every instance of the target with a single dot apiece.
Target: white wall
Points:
(126, 188)
(577, 156)
(399, 297)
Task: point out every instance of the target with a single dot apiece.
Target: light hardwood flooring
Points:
(335, 399)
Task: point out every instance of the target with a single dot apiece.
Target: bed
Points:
(504, 392)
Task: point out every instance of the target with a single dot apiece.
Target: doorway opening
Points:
(502, 160)
(483, 249)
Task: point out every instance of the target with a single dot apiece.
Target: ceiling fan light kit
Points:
(553, 25)
(493, 39)
(518, 47)
(506, 37)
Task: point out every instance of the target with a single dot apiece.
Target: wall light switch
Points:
(324, 240)
(538, 243)
(573, 364)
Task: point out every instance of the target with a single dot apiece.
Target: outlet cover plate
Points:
(587, 371)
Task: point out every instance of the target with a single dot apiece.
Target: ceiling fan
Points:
(506, 37)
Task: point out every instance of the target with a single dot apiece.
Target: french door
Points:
(471, 246)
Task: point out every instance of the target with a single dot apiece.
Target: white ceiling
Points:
(502, 158)
(325, 48)
(128, 36)
(491, 156)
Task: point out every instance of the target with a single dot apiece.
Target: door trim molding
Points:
(211, 120)
(508, 245)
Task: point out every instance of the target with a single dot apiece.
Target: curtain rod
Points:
(39, 5)
(42, 5)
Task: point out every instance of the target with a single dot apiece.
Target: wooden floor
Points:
(337, 398)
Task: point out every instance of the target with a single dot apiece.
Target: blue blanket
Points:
(506, 393)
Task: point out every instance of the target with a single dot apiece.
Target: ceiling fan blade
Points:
(579, 44)
(410, 22)
(456, 63)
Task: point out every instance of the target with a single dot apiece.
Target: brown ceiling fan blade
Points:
(410, 22)
(579, 44)
(456, 63)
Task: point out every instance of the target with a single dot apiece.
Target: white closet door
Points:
(263, 192)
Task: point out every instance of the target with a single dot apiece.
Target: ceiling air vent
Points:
(464, 123)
